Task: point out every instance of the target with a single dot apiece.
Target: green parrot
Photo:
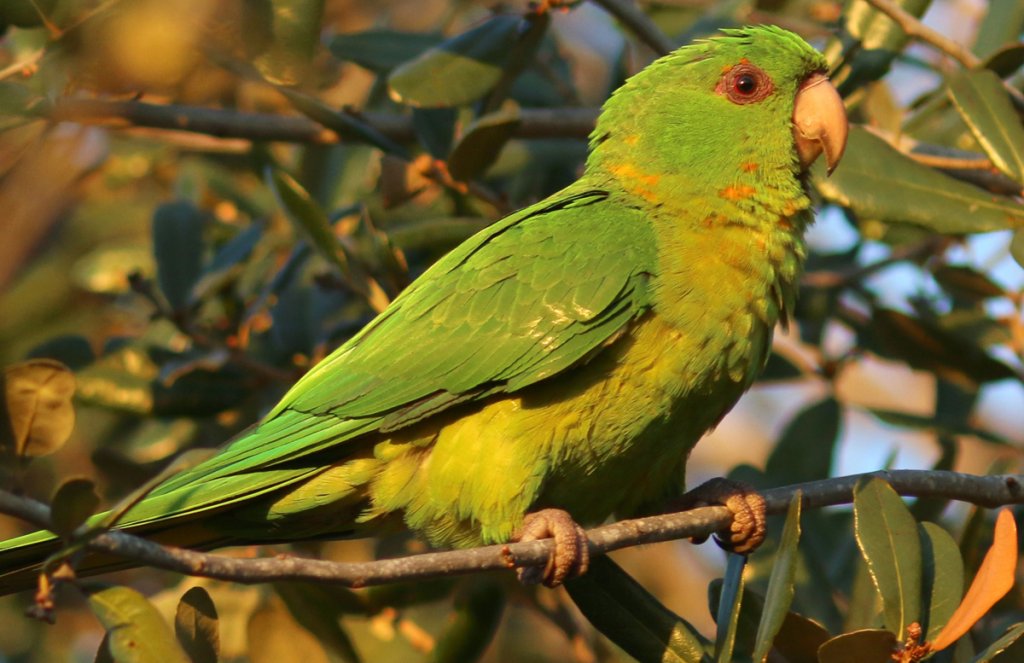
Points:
(557, 367)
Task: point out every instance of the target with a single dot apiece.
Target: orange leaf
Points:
(994, 580)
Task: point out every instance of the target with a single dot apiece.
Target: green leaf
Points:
(887, 536)
(1006, 649)
(983, 103)
(36, 412)
(800, 638)
(195, 625)
(296, 32)
(1002, 25)
(275, 636)
(878, 183)
(867, 43)
(1017, 247)
(381, 50)
(730, 603)
(461, 69)
(779, 595)
(943, 576)
(478, 148)
(859, 647)
(307, 216)
(136, 631)
(805, 449)
(178, 248)
(631, 618)
(73, 503)
(477, 615)
(318, 609)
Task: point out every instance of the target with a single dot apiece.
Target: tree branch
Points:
(918, 30)
(988, 491)
(223, 123)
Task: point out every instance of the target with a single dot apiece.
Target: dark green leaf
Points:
(435, 128)
(943, 577)
(631, 618)
(74, 501)
(137, 633)
(729, 605)
(72, 350)
(461, 69)
(859, 647)
(344, 124)
(1005, 61)
(983, 103)
(804, 452)
(888, 539)
(318, 609)
(966, 283)
(879, 183)
(478, 148)
(780, 367)
(178, 248)
(932, 424)
(926, 346)
(381, 50)
(477, 615)
(195, 624)
(1007, 649)
(36, 412)
(779, 595)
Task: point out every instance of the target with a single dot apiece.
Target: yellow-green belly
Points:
(609, 436)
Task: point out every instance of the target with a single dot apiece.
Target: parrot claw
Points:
(571, 555)
(748, 528)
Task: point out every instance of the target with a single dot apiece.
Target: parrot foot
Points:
(571, 555)
(748, 527)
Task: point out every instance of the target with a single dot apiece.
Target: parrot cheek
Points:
(819, 122)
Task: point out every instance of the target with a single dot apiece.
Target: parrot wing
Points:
(524, 300)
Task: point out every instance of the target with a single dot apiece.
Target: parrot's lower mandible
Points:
(557, 367)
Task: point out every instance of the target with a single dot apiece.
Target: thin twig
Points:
(639, 24)
(988, 491)
(918, 30)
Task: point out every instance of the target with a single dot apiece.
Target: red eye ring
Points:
(745, 83)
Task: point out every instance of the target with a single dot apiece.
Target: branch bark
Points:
(987, 491)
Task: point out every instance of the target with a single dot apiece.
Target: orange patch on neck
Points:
(748, 167)
(737, 192)
(636, 182)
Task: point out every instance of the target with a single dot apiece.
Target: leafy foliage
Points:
(201, 201)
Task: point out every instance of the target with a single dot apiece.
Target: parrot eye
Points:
(745, 84)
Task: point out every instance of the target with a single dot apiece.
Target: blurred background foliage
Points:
(201, 199)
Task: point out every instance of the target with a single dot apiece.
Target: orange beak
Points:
(819, 122)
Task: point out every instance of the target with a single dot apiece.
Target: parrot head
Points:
(756, 97)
